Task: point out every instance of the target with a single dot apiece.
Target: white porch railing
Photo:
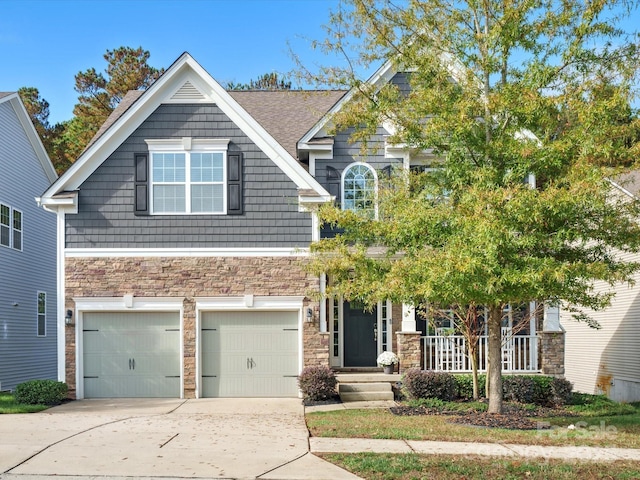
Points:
(449, 353)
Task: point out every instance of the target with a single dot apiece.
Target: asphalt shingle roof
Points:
(285, 114)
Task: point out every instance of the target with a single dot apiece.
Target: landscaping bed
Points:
(513, 417)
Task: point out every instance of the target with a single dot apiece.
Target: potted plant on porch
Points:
(387, 361)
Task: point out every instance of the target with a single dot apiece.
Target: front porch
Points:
(533, 340)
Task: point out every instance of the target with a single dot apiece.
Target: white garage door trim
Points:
(246, 303)
(121, 304)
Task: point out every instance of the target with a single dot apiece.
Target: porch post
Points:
(552, 342)
(551, 319)
(409, 348)
(408, 318)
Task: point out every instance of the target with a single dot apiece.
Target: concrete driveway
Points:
(205, 438)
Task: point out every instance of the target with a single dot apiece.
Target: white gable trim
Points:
(34, 139)
(383, 75)
(184, 70)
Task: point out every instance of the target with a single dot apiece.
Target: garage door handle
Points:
(133, 361)
(129, 364)
(250, 363)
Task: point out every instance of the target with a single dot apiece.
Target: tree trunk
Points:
(474, 370)
(494, 374)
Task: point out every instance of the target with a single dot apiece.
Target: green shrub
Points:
(539, 389)
(429, 384)
(464, 386)
(317, 383)
(519, 388)
(41, 392)
(561, 391)
(542, 389)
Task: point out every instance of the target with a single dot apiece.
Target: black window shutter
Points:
(333, 182)
(234, 184)
(141, 184)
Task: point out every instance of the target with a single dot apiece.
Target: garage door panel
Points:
(249, 354)
(131, 354)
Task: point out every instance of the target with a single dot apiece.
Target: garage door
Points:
(131, 355)
(249, 354)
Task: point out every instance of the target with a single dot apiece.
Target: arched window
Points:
(359, 185)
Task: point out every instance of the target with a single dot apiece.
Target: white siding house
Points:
(28, 332)
(607, 361)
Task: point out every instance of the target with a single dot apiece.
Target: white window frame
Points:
(41, 314)
(188, 145)
(12, 229)
(375, 186)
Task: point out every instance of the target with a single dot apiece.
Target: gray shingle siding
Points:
(106, 219)
(345, 153)
(401, 79)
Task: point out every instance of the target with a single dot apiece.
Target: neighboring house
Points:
(607, 360)
(28, 309)
(185, 226)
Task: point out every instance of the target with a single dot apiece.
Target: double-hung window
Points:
(10, 227)
(188, 176)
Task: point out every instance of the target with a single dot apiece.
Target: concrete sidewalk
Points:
(569, 453)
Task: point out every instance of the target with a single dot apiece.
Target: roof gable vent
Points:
(188, 92)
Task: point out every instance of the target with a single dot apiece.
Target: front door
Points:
(360, 336)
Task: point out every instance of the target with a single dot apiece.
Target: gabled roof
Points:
(287, 115)
(184, 82)
(383, 75)
(16, 103)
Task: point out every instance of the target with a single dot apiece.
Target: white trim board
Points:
(184, 252)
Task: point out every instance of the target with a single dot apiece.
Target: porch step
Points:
(364, 392)
(366, 377)
(365, 387)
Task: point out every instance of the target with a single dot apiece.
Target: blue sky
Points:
(44, 43)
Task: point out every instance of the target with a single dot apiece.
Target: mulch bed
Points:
(514, 416)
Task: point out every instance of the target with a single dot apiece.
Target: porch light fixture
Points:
(68, 317)
(309, 314)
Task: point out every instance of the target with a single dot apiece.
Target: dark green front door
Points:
(360, 336)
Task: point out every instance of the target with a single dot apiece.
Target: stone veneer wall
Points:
(409, 350)
(188, 278)
(551, 353)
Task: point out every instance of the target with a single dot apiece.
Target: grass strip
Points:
(372, 466)
(8, 404)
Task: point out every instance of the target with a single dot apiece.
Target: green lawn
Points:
(9, 405)
(371, 466)
(597, 421)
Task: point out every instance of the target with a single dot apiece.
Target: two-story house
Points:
(28, 311)
(183, 232)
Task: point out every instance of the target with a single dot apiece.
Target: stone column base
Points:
(552, 353)
(409, 351)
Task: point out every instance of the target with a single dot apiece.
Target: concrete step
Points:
(368, 377)
(365, 396)
(364, 387)
(365, 391)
